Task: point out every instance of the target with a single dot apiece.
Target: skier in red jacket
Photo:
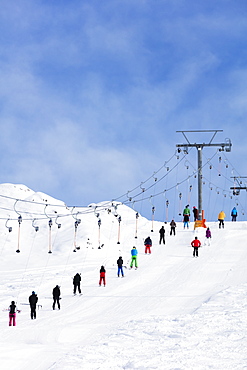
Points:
(195, 244)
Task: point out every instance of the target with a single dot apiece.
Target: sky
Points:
(92, 93)
(174, 312)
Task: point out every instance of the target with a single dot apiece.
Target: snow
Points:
(173, 312)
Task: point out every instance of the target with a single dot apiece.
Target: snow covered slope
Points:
(173, 312)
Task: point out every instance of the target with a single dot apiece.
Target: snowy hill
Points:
(173, 312)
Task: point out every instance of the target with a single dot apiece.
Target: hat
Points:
(134, 247)
(33, 292)
(13, 302)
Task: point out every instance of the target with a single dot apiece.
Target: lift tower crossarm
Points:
(236, 189)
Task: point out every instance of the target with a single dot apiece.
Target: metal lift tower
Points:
(223, 146)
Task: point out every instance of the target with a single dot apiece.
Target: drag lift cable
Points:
(7, 235)
(19, 228)
(50, 226)
(99, 225)
(8, 227)
(137, 217)
(153, 212)
(219, 168)
(57, 223)
(119, 222)
(36, 228)
(158, 180)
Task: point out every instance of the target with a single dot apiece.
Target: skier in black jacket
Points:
(77, 283)
(120, 266)
(33, 299)
(162, 235)
(173, 227)
(56, 297)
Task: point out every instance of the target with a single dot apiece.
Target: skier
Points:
(162, 235)
(195, 244)
(173, 227)
(221, 218)
(208, 236)
(186, 221)
(77, 283)
(148, 245)
(120, 266)
(12, 314)
(186, 214)
(186, 211)
(234, 214)
(33, 299)
(56, 297)
(195, 212)
(102, 275)
(134, 253)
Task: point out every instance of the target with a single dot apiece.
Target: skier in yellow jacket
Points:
(221, 218)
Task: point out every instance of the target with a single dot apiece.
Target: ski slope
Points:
(173, 312)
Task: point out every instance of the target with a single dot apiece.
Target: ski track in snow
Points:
(174, 312)
(214, 337)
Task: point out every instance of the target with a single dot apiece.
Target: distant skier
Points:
(195, 244)
(148, 245)
(77, 283)
(162, 235)
(221, 218)
(186, 211)
(120, 266)
(234, 214)
(186, 214)
(186, 221)
(12, 314)
(195, 212)
(208, 236)
(33, 300)
(173, 227)
(134, 254)
(102, 275)
(56, 297)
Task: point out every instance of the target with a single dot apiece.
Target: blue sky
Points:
(92, 93)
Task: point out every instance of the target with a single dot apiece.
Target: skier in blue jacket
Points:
(234, 214)
(134, 253)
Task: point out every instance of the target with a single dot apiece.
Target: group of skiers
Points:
(186, 215)
(33, 299)
(221, 216)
